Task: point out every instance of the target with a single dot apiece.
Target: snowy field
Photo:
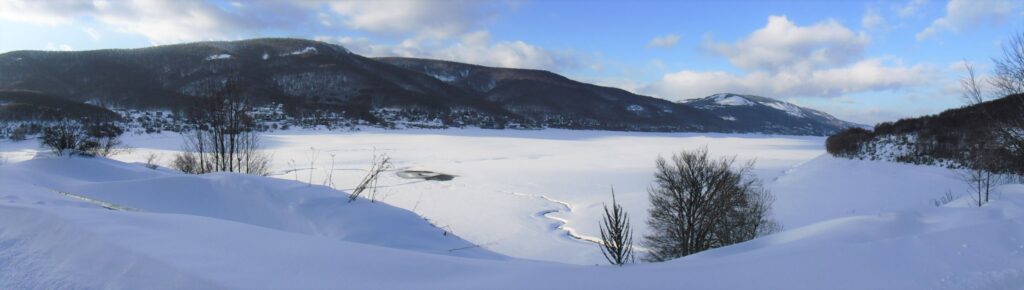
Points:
(518, 193)
(850, 224)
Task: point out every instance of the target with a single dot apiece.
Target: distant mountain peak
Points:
(731, 100)
(769, 114)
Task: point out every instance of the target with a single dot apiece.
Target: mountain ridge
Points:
(767, 114)
(316, 78)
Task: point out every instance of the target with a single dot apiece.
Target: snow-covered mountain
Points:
(761, 114)
(315, 78)
(557, 100)
(312, 77)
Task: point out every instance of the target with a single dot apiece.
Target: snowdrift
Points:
(235, 231)
(828, 187)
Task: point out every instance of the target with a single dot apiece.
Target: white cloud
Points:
(434, 19)
(475, 47)
(658, 64)
(912, 8)
(166, 21)
(665, 41)
(867, 75)
(963, 14)
(360, 45)
(872, 19)
(869, 115)
(782, 45)
(50, 13)
(58, 47)
(431, 28)
(784, 60)
(172, 22)
(478, 49)
(160, 21)
(93, 34)
(876, 74)
(960, 66)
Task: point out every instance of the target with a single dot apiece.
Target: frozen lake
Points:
(516, 192)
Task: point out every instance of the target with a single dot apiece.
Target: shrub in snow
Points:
(700, 203)
(106, 138)
(847, 143)
(67, 137)
(19, 134)
(151, 160)
(944, 199)
(223, 137)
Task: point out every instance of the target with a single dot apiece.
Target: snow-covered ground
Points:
(515, 192)
(849, 224)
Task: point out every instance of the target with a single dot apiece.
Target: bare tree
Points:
(981, 161)
(151, 160)
(699, 203)
(1008, 80)
(980, 182)
(222, 137)
(1008, 74)
(66, 137)
(970, 87)
(72, 137)
(616, 235)
(982, 169)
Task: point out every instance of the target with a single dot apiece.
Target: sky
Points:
(866, 62)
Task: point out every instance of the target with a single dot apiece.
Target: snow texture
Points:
(850, 224)
(218, 56)
(732, 100)
(790, 109)
(307, 50)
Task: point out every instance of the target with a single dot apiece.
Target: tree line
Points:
(985, 136)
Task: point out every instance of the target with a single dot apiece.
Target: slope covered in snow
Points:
(517, 193)
(770, 115)
(282, 205)
(731, 100)
(48, 240)
(829, 187)
(849, 224)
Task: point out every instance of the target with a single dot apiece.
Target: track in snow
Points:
(563, 225)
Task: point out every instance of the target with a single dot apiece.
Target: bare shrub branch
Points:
(378, 165)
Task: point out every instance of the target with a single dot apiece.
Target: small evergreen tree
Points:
(616, 235)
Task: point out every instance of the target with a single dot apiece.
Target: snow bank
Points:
(234, 231)
(495, 200)
(266, 202)
(828, 187)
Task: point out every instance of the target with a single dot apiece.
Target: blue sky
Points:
(861, 61)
